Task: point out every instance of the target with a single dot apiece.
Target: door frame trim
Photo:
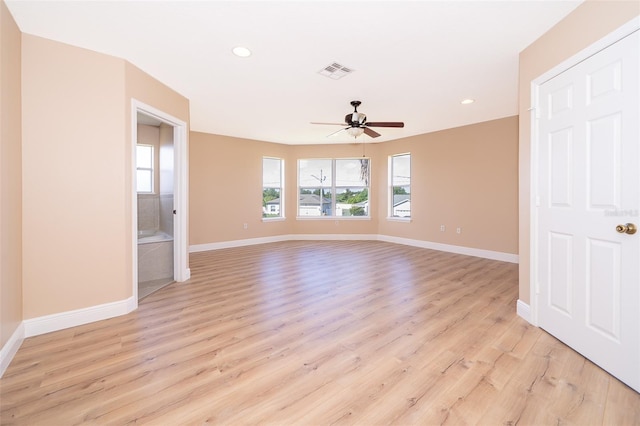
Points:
(181, 271)
(606, 41)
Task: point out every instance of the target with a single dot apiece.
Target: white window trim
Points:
(273, 219)
(282, 191)
(334, 189)
(390, 216)
(399, 219)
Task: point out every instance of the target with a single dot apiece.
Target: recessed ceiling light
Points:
(467, 101)
(242, 52)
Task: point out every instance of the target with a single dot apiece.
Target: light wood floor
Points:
(317, 333)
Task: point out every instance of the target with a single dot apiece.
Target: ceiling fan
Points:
(357, 123)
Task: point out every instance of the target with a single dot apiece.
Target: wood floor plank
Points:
(316, 333)
(622, 405)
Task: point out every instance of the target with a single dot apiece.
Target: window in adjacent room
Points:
(333, 187)
(400, 185)
(272, 187)
(144, 168)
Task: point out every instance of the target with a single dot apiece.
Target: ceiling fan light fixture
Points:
(241, 52)
(355, 131)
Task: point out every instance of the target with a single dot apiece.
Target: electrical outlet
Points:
(458, 230)
(245, 226)
(442, 228)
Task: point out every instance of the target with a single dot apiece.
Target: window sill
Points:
(273, 219)
(399, 219)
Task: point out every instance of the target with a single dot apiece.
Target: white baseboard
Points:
(62, 320)
(486, 254)
(468, 251)
(237, 243)
(10, 348)
(333, 237)
(290, 237)
(523, 310)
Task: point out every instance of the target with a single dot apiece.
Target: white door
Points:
(588, 182)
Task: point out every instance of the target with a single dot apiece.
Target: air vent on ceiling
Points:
(335, 71)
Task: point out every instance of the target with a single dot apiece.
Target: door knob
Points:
(628, 228)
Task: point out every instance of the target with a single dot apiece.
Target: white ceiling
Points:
(414, 61)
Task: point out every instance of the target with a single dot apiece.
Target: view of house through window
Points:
(144, 168)
(272, 193)
(400, 185)
(333, 187)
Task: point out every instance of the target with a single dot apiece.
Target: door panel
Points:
(588, 275)
(603, 287)
(603, 168)
(561, 161)
(560, 272)
(604, 81)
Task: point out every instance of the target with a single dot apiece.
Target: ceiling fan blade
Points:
(331, 124)
(384, 124)
(371, 133)
(336, 132)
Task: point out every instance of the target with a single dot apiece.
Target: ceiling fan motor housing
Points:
(355, 119)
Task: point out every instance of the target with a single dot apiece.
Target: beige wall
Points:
(464, 177)
(588, 23)
(225, 188)
(77, 169)
(10, 177)
(74, 213)
(144, 88)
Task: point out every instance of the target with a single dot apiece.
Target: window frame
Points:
(150, 170)
(390, 190)
(280, 187)
(332, 190)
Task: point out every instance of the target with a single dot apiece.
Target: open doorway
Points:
(159, 200)
(154, 185)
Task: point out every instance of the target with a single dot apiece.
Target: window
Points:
(272, 193)
(333, 187)
(144, 168)
(400, 185)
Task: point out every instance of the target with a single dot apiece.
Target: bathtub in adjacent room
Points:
(155, 258)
